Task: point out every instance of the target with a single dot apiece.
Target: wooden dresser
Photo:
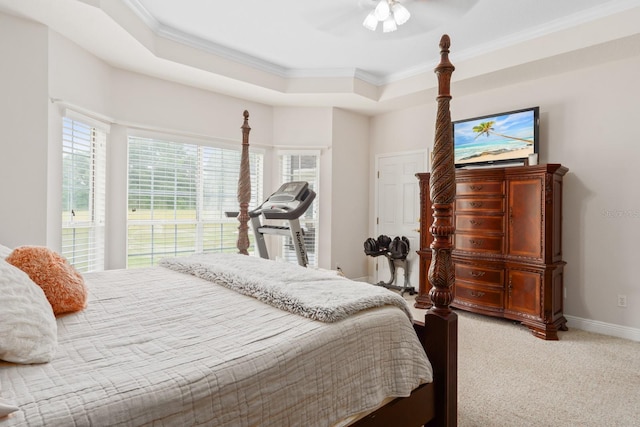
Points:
(507, 244)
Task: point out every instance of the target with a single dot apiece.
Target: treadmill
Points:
(288, 203)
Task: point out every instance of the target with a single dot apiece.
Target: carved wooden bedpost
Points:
(441, 271)
(244, 189)
(443, 190)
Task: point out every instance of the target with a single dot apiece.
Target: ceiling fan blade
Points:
(441, 10)
(340, 18)
(340, 24)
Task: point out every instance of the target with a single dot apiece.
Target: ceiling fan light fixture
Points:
(390, 12)
(400, 13)
(389, 25)
(382, 10)
(371, 22)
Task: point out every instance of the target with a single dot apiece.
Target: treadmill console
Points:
(288, 192)
(290, 201)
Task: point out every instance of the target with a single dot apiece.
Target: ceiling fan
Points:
(351, 18)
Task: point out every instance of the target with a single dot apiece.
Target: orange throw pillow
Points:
(62, 284)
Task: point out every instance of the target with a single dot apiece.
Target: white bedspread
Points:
(158, 347)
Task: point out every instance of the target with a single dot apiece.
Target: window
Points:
(178, 196)
(83, 193)
(303, 167)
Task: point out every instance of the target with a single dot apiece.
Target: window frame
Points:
(312, 253)
(89, 256)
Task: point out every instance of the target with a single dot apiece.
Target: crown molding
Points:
(173, 34)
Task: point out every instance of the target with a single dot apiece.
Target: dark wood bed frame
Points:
(436, 403)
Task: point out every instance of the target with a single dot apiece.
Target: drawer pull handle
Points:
(475, 187)
(477, 294)
(475, 242)
(477, 273)
(475, 204)
(475, 222)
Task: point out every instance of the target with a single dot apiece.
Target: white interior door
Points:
(398, 209)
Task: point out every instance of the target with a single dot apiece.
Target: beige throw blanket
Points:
(316, 294)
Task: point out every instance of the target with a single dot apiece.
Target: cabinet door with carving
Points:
(525, 218)
(523, 292)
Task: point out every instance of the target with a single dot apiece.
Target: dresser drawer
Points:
(478, 243)
(491, 224)
(479, 295)
(479, 204)
(485, 275)
(481, 188)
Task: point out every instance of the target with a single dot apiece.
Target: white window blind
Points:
(303, 167)
(178, 196)
(83, 194)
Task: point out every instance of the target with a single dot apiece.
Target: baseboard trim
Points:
(603, 328)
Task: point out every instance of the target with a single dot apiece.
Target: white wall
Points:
(587, 124)
(162, 105)
(350, 193)
(23, 145)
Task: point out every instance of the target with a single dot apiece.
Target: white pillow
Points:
(28, 329)
(5, 251)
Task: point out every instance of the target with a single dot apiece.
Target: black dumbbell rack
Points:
(396, 252)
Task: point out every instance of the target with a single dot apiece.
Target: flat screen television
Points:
(496, 139)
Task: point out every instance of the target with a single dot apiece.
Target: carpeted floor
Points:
(508, 377)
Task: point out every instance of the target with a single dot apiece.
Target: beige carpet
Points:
(508, 377)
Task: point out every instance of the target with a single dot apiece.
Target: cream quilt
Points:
(163, 348)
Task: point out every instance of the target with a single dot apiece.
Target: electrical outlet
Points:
(622, 301)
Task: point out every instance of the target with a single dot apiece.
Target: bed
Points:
(231, 339)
